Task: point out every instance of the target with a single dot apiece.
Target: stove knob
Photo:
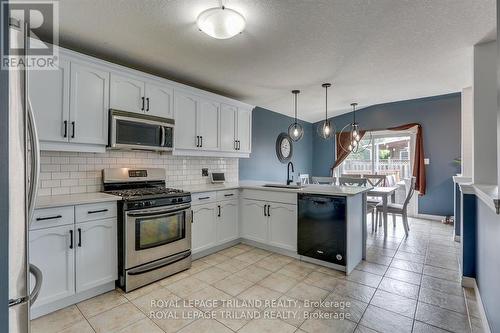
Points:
(180, 200)
(151, 203)
(140, 204)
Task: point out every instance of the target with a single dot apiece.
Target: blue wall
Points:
(263, 163)
(440, 120)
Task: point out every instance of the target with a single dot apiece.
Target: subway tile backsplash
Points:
(68, 172)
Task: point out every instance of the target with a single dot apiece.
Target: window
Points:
(388, 154)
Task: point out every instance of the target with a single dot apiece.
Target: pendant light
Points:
(221, 22)
(326, 129)
(295, 130)
(353, 132)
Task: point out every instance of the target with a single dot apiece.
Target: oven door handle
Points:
(159, 264)
(158, 212)
(162, 136)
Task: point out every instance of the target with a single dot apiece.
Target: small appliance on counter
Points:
(154, 226)
(217, 177)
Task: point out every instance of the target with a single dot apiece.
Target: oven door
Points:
(156, 233)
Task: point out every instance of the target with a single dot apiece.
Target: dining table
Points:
(384, 192)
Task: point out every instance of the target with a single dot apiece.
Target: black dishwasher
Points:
(322, 227)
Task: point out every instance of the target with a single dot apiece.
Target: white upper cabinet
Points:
(136, 94)
(186, 107)
(208, 124)
(244, 130)
(126, 93)
(159, 100)
(228, 115)
(89, 104)
(49, 96)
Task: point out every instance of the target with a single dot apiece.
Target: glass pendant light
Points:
(354, 133)
(326, 129)
(295, 130)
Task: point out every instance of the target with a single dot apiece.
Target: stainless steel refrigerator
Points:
(23, 179)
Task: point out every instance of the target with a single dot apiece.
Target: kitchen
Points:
(147, 187)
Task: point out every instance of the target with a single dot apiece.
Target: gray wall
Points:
(487, 263)
(263, 163)
(440, 120)
(4, 193)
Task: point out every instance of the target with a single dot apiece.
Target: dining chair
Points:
(352, 181)
(324, 180)
(398, 209)
(376, 180)
(304, 178)
(351, 175)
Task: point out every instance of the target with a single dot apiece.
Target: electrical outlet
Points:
(204, 172)
(427, 161)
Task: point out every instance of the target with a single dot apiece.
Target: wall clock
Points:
(284, 148)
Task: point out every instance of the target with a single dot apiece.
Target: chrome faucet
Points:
(288, 180)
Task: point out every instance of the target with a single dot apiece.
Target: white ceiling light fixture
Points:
(221, 22)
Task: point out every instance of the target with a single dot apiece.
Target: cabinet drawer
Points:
(227, 195)
(92, 212)
(52, 217)
(271, 196)
(203, 198)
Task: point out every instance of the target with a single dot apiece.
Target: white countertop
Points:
(74, 199)
(258, 185)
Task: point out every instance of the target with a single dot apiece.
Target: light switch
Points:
(427, 161)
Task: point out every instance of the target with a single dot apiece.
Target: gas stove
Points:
(142, 185)
(154, 225)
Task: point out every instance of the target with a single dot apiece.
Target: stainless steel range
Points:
(154, 226)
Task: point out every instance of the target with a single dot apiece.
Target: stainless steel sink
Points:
(283, 186)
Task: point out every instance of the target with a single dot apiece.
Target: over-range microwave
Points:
(128, 130)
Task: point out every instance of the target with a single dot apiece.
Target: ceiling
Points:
(373, 51)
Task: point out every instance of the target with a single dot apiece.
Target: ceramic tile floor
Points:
(405, 285)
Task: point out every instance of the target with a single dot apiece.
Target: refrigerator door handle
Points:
(35, 163)
(37, 273)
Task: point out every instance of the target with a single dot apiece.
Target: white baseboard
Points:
(469, 282)
(430, 217)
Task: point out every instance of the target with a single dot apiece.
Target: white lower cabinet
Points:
(271, 223)
(96, 254)
(227, 222)
(76, 255)
(254, 220)
(52, 251)
(203, 231)
(282, 225)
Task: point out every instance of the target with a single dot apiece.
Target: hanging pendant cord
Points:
(295, 109)
(326, 103)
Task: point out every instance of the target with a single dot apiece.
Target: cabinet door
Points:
(283, 226)
(49, 96)
(203, 229)
(126, 93)
(185, 107)
(89, 104)
(52, 250)
(254, 222)
(228, 115)
(227, 224)
(244, 130)
(159, 100)
(208, 124)
(96, 253)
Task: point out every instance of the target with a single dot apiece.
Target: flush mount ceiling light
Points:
(295, 130)
(353, 134)
(326, 129)
(221, 22)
